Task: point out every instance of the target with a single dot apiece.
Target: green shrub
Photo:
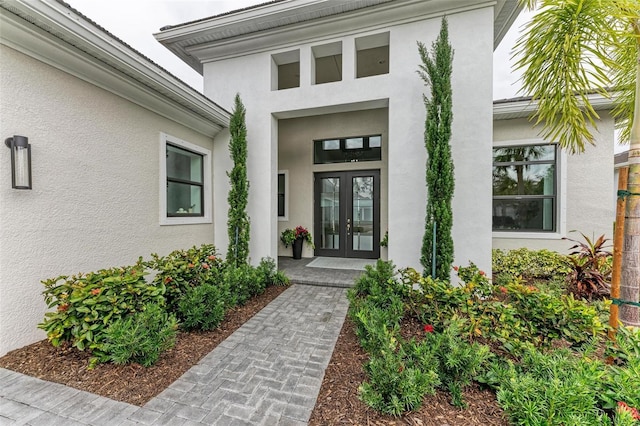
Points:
(530, 264)
(141, 337)
(181, 270)
(397, 383)
(202, 308)
(87, 303)
(268, 274)
(556, 388)
(280, 279)
(243, 283)
(623, 380)
(458, 361)
(376, 327)
(375, 279)
(514, 315)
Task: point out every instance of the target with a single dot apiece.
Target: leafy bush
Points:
(590, 267)
(376, 327)
(537, 383)
(87, 303)
(375, 279)
(514, 315)
(141, 337)
(242, 283)
(529, 264)
(396, 384)
(458, 361)
(268, 274)
(556, 388)
(202, 308)
(181, 270)
(623, 381)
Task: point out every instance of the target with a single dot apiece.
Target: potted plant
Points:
(294, 238)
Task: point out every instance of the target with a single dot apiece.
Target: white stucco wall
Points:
(585, 182)
(401, 91)
(95, 197)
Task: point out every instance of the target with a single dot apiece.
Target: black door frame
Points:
(346, 213)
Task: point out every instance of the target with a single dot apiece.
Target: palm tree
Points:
(572, 49)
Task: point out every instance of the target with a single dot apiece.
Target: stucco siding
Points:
(95, 198)
(584, 192)
(400, 93)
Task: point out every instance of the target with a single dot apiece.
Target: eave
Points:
(288, 22)
(524, 107)
(55, 34)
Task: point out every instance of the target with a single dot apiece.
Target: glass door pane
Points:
(362, 218)
(330, 213)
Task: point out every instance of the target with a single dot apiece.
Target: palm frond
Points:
(565, 56)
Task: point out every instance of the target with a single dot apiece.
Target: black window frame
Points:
(282, 194)
(520, 197)
(186, 182)
(348, 155)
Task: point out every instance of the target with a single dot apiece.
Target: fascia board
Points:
(386, 15)
(96, 48)
(524, 108)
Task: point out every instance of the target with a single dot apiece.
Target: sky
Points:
(135, 22)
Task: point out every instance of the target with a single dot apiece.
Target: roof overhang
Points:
(524, 107)
(289, 22)
(56, 34)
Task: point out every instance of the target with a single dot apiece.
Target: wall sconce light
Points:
(20, 161)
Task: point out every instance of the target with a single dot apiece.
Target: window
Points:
(283, 202)
(285, 70)
(363, 148)
(185, 190)
(327, 63)
(372, 55)
(525, 188)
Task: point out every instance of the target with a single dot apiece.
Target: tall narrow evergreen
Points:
(238, 220)
(435, 70)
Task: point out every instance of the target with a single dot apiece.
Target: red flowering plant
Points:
(181, 270)
(475, 279)
(289, 235)
(632, 411)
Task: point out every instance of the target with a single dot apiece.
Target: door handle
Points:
(348, 226)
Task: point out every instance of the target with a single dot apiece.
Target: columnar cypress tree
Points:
(238, 220)
(435, 70)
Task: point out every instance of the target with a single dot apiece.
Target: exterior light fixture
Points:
(20, 161)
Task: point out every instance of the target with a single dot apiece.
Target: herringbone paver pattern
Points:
(268, 372)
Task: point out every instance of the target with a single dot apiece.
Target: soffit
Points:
(278, 23)
(524, 107)
(59, 35)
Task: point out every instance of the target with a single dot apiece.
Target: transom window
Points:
(344, 150)
(525, 188)
(185, 179)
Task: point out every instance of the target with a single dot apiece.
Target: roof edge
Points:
(74, 32)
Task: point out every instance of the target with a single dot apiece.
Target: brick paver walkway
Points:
(268, 372)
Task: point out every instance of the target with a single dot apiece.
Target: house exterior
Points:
(109, 130)
(335, 119)
(541, 193)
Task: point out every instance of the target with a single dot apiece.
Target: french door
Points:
(347, 214)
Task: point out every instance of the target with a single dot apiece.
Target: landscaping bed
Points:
(130, 383)
(338, 402)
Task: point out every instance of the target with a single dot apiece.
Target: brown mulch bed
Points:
(131, 383)
(338, 402)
